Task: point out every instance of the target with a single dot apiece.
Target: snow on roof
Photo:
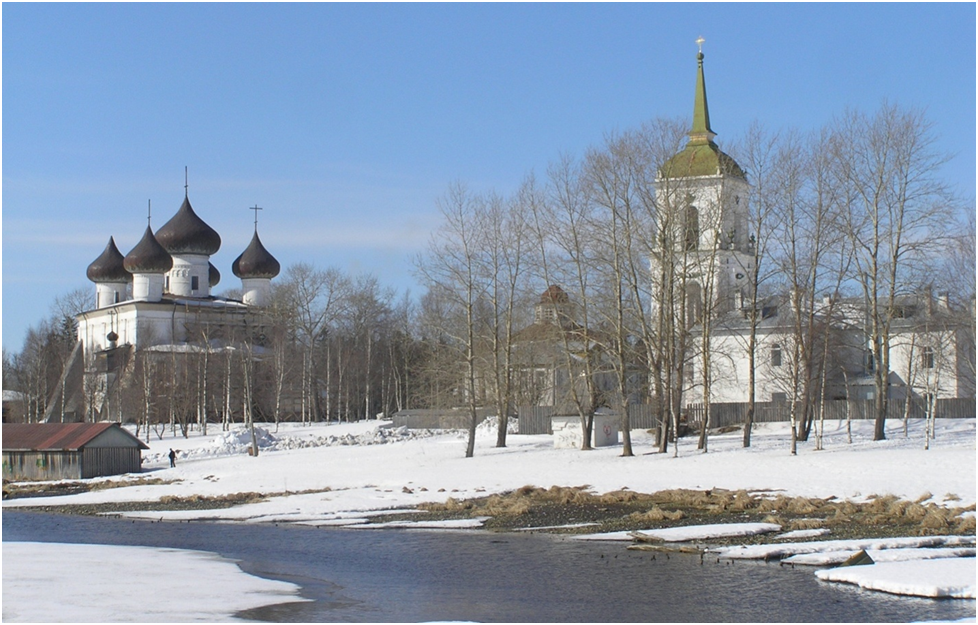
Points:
(13, 396)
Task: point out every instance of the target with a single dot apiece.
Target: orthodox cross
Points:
(186, 181)
(256, 208)
(699, 42)
(149, 212)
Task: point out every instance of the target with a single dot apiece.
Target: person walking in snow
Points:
(173, 458)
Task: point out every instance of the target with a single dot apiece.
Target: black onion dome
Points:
(213, 275)
(108, 266)
(148, 256)
(255, 262)
(186, 233)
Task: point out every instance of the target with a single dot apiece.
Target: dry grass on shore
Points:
(624, 509)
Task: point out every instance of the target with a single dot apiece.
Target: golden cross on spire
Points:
(699, 42)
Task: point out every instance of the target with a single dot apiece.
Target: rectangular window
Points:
(779, 398)
(927, 358)
(776, 356)
(194, 283)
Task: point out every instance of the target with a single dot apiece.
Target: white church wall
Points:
(145, 324)
(147, 287)
(109, 293)
(187, 270)
(929, 358)
(255, 291)
(731, 368)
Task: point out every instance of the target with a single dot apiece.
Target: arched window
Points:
(692, 228)
(776, 355)
(694, 303)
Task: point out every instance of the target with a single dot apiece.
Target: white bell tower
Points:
(702, 197)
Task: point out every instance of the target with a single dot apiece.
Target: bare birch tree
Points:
(315, 297)
(503, 266)
(451, 265)
(564, 228)
(896, 210)
(758, 153)
(613, 176)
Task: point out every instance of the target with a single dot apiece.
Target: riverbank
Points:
(365, 475)
(328, 473)
(405, 466)
(576, 510)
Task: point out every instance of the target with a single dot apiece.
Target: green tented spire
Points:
(701, 132)
(701, 157)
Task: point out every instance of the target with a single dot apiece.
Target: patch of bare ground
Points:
(19, 490)
(531, 506)
(170, 502)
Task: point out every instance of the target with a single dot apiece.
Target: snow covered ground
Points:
(337, 474)
(39, 588)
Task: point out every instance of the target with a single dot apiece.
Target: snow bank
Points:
(472, 523)
(943, 578)
(783, 550)
(835, 558)
(689, 532)
(803, 534)
(238, 441)
(89, 590)
(490, 426)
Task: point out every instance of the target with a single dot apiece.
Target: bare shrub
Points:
(964, 525)
(805, 524)
(657, 514)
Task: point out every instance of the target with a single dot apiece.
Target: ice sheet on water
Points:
(940, 578)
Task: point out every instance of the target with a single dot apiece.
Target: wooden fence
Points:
(536, 419)
(447, 419)
(728, 414)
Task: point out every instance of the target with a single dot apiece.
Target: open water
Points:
(411, 576)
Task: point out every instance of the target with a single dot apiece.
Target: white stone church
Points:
(932, 351)
(158, 297)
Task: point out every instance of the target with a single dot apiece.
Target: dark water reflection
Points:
(396, 575)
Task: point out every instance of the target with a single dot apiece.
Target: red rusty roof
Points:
(554, 295)
(56, 436)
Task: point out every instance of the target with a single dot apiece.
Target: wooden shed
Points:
(56, 451)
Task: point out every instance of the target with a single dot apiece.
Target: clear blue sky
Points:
(347, 121)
